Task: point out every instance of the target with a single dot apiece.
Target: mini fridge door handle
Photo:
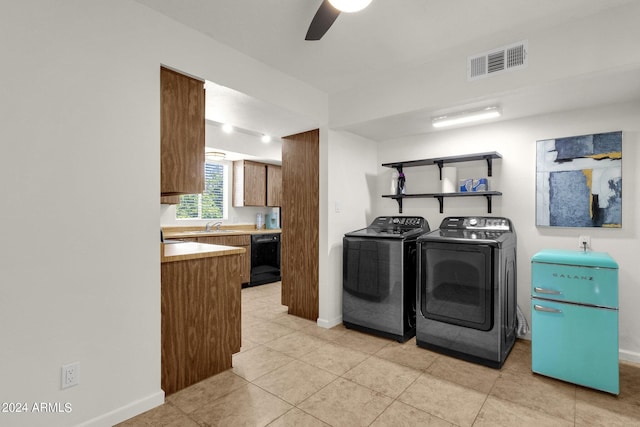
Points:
(546, 291)
(546, 309)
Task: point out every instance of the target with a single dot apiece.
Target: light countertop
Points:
(176, 233)
(192, 250)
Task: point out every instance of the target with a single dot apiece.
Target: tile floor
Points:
(292, 373)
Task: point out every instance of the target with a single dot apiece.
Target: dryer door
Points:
(456, 284)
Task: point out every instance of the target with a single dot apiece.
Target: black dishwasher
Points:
(265, 259)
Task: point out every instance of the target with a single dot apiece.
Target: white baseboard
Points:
(629, 356)
(128, 411)
(327, 324)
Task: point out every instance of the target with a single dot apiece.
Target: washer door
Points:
(456, 284)
(371, 268)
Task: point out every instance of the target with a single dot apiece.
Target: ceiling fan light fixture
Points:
(349, 5)
(214, 155)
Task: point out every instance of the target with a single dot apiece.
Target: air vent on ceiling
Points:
(495, 61)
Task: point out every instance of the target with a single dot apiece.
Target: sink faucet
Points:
(212, 224)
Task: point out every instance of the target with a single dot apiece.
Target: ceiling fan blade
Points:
(322, 21)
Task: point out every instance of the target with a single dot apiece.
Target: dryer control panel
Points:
(476, 223)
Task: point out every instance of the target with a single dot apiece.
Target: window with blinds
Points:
(210, 204)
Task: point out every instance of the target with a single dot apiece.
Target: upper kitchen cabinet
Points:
(274, 185)
(170, 200)
(256, 184)
(249, 183)
(182, 106)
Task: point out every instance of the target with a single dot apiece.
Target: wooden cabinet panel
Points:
(170, 200)
(274, 185)
(242, 241)
(182, 105)
(249, 183)
(300, 222)
(256, 184)
(200, 326)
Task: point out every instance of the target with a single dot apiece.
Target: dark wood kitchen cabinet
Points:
(170, 200)
(182, 106)
(201, 319)
(274, 185)
(256, 184)
(249, 183)
(241, 241)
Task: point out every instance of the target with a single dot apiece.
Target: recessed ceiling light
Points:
(466, 117)
(349, 5)
(266, 139)
(227, 128)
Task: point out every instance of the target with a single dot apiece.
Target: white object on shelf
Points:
(394, 182)
(449, 179)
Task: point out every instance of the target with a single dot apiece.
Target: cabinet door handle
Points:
(546, 291)
(546, 309)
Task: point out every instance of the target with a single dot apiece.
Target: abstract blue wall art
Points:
(579, 181)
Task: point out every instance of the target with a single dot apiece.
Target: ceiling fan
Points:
(327, 14)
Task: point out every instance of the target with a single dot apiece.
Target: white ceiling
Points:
(251, 115)
(370, 45)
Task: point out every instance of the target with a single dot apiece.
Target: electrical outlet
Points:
(584, 242)
(70, 374)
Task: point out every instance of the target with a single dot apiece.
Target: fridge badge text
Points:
(572, 276)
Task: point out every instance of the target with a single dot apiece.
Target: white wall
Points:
(514, 176)
(79, 263)
(350, 182)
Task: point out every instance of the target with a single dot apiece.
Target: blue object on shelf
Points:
(574, 313)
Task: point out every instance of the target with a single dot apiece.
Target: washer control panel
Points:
(398, 223)
(476, 223)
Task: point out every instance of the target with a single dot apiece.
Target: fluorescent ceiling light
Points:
(349, 5)
(227, 128)
(466, 117)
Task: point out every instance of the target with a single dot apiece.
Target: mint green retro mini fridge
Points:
(574, 318)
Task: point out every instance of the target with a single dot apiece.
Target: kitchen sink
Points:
(196, 232)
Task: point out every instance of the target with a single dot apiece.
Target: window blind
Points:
(210, 204)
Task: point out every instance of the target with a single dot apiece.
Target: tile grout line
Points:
(303, 361)
(342, 376)
(395, 399)
(419, 409)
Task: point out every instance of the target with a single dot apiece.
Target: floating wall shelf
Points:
(441, 196)
(439, 161)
